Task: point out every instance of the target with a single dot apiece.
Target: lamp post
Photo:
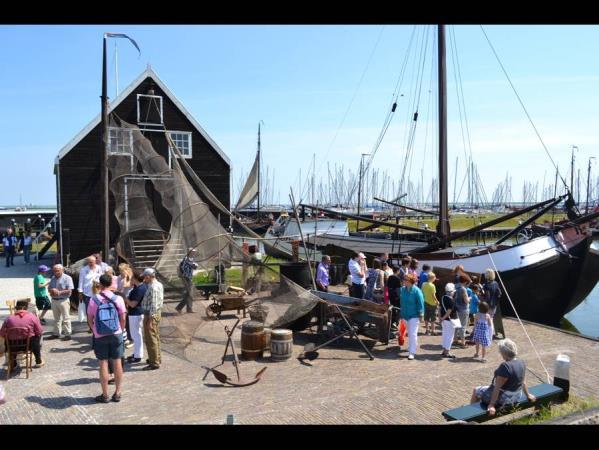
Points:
(360, 187)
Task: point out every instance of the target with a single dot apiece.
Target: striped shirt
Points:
(152, 301)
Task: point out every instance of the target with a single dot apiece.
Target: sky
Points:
(319, 90)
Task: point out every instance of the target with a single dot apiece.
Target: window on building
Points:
(120, 140)
(182, 140)
(149, 109)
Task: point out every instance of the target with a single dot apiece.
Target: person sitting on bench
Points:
(508, 382)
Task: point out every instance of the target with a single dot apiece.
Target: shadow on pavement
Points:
(78, 381)
(60, 402)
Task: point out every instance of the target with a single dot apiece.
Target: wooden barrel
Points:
(252, 339)
(267, 333)
(281, 344)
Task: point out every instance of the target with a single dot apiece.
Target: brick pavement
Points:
(341, 386)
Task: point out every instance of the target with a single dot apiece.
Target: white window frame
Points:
(161, 110)
(190, 140)
(126, 151)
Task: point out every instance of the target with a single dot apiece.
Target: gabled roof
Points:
(147, 73)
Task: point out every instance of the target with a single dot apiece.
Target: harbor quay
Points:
(341, 386)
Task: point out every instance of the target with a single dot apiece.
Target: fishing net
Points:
(148, 187)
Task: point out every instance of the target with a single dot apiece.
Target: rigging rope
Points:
(303, 191)
(525, 110)
(517, 316)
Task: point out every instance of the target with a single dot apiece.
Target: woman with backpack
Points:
(106, 314)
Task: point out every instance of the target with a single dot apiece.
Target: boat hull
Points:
(545, 278)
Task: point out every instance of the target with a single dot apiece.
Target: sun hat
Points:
(362, 255)
(43, 268)
(450, 287)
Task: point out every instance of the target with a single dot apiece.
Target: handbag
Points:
(455, 323)
(81, 312)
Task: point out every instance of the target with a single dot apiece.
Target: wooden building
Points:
(149, 104)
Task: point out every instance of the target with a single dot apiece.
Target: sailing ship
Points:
(545, 276)
(249, 194)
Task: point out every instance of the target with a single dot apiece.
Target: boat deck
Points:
(341, 386)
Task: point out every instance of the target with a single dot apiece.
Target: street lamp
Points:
(360, 188)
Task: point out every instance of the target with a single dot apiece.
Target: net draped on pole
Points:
(134, 165)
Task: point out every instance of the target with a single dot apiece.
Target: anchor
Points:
(224, 378)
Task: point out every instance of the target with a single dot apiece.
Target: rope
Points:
(518, 317)
(524, 108)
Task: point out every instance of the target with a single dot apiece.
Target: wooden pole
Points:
(104, 166)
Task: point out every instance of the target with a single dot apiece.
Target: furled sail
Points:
(251, 189)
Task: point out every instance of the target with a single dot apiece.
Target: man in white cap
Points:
(186, 269)
(152, 307)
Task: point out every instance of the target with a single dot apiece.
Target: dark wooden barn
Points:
(78, 164)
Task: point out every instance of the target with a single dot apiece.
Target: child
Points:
(482, 325)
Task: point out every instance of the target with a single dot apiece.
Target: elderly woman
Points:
(508, 381)
(411, 302)
(448, 312)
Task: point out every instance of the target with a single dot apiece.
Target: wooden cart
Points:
(225, 302)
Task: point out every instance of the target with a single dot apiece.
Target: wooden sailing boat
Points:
(546, 276)
(249, 193)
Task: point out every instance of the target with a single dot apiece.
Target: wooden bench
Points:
(545, 394)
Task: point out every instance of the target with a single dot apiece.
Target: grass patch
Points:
(233, 275)
(573, 405)
(463, 221)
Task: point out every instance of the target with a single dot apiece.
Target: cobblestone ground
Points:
(342, 386)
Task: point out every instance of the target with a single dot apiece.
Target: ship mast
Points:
(259, 168)
(443, 230)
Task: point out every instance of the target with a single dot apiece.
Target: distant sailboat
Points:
(251, 193)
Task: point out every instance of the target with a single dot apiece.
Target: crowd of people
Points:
(13, 244)
(412, 292)
(121, 311)
(124, 311)
(463, 303)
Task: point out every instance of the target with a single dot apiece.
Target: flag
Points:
(121, 35)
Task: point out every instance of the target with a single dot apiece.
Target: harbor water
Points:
(585, 317)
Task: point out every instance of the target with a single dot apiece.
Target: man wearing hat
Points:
(186, 269)
(152, 308)
(40, 291)
(61, 286)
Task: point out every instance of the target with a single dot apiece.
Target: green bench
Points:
(545, 393)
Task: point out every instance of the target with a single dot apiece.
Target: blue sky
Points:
(300, 80)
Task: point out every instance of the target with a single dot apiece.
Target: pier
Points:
(342, 386)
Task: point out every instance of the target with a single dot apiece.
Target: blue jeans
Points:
(9, 252)
(26, 252)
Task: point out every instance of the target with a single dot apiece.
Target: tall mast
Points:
(586, 209)
(104, 166)
(259, 170)
(443, 225)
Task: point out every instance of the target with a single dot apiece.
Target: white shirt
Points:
(27, 240)
(87, 277)
(354, 270)
(103, 266)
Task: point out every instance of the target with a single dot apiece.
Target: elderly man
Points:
(322, 274)
(101, 264)
(357, 270)
(24, 319)
(152, 307)
(186, 269)
(89, 274)
(60, 289)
